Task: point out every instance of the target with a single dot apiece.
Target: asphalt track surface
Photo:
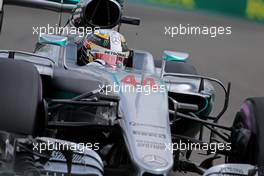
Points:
(237, 58)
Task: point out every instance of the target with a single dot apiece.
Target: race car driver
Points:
(105, 47)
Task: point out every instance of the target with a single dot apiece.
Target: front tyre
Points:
(247, 136)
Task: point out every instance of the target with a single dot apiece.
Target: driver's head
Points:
(107, 45)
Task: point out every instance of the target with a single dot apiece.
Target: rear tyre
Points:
(247, 137)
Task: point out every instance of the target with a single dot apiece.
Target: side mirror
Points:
(53, 40)
(1, 14)
(172, 56)
(175, 56)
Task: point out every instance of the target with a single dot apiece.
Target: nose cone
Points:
(146, 129)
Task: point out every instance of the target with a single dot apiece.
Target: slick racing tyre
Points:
(20, 97)
(247, 136)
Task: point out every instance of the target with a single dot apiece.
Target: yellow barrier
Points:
(250, 9)
(255, 9)
(183, 3)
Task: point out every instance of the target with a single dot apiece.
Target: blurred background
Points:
(238, 58)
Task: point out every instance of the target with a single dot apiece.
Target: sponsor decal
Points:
(155, 160)
(131, 79)
(151, 145)
(145, 125)
(149, 134)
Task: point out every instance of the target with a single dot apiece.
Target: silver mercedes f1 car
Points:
(146, 118)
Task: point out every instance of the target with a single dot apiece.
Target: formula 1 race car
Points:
(59, 118)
